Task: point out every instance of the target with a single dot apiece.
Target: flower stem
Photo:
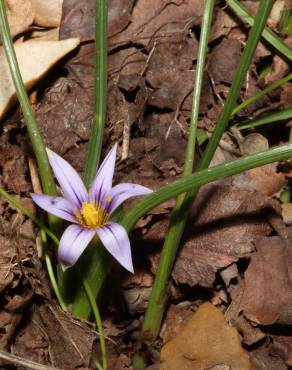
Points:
(268, 35)
(96, 136)
(35, 136)
(97, 317)
(160, 292)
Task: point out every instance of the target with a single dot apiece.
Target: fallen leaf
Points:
(267, 296)
(35, 58)
(20, 15)
(287, 213)
(47, 13)
(78, 18)
(164, 20)
(227, 222)
(223, 61)
(205, 341)
(53, 337)
(261, 359)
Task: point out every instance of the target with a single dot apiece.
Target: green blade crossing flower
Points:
(89, 211)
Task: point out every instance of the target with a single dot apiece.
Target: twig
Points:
(24, 362)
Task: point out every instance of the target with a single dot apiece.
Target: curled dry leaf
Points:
(204, 342)
(20, 15)
(47, 13)
(35, 58)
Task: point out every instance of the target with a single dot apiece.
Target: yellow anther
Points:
(92, 216)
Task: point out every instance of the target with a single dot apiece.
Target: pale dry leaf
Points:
(287, 213)
(47, 13)
(20, 15)
(35, 58)
(205, 341)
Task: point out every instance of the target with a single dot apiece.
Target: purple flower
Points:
(89, 211)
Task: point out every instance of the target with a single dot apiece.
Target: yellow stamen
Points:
(92, 216)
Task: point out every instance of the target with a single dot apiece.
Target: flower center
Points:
(92, 216)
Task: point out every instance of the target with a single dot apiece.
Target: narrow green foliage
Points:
(285, 25)
(159, 293)
(268, 117)
(96, 136)
(268, 35)
(262, 93)
(92, 264)
(201, 178)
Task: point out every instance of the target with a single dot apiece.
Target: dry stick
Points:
(160, 290)
(23, 362)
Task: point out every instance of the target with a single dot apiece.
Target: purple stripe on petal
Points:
(69, 180)
(115, 239)
(58, 206)
(73, 242)
(122, 192)
(102, 183)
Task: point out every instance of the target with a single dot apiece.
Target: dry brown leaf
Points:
(267, 296)
(35, 58)
(205, 341)
(228, 220)
(163, 19)
(20, 15)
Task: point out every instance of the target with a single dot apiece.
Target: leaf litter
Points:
(235, 252)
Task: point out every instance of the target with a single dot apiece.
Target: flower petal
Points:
(102, 183)
(58, 206)
(69, 180)
(115, 239)
(73, 242)
(122, 192)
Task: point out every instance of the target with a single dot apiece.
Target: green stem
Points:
(96, 255)
(268, 35)
(36, 139)
(54, 282)
(96, 137)
(97, 317)
(160, 291)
